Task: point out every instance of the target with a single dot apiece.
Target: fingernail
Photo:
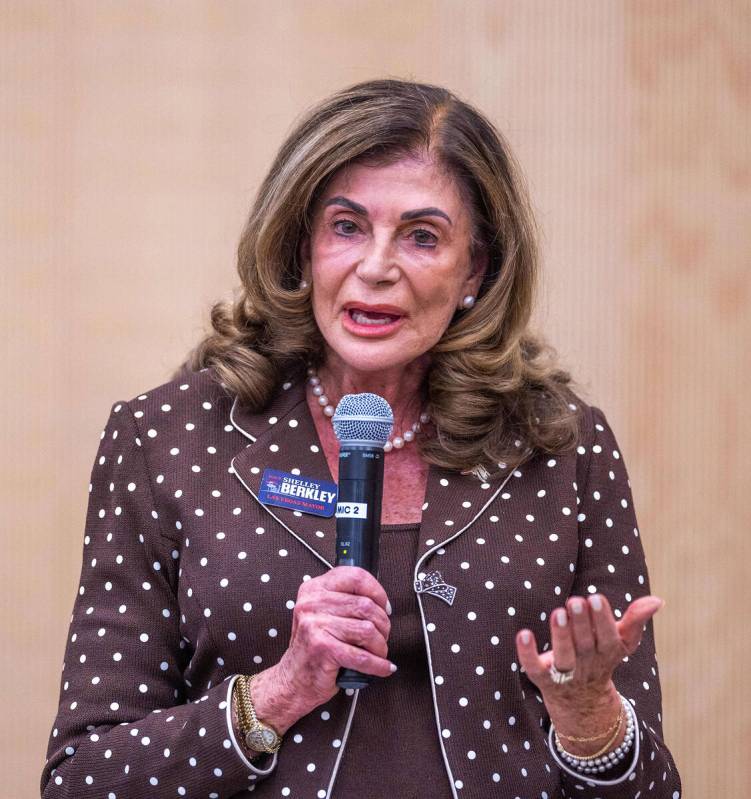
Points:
(596, 602)
(525, 637)
(561, 618)
(388, 607)
(657, 606)
(577, 606)
(392, 667)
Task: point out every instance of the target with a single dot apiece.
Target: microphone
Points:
(362, 425)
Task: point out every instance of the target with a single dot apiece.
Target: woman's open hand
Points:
(587, 645)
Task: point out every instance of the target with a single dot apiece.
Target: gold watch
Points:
(258, 736)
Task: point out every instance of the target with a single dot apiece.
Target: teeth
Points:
(363, 319)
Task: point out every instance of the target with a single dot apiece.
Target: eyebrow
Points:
(360, 209)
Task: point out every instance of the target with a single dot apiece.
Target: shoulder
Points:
(593, 422)
(598, 450)
(191, 400)
(188, 392)
(594, 433)
(183, 390)
(587, 415)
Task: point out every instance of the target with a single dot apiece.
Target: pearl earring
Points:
(468, 301)
(303, 284)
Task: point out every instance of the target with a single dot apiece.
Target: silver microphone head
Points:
(363, 419)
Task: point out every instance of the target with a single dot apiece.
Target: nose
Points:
(378, 264)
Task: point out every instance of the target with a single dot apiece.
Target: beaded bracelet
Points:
(597, 763)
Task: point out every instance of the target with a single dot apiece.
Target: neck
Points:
(401, 387)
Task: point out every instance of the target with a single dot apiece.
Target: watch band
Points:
(258, 736)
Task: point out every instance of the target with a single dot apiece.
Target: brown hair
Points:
(494, 391)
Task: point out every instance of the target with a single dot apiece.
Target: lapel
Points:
(284, 437)
(453, 503)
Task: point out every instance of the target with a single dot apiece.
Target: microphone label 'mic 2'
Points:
(351, 510)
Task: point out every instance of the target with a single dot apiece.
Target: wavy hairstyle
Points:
(494, 391)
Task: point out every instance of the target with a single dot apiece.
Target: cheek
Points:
(328, 270)
(326, 297)
(442, 297)
(325, 294)
(324, 278)
(320, 306)
(437, 310)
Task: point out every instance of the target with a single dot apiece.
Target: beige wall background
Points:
(133, 136)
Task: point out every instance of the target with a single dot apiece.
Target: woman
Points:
(391, 249)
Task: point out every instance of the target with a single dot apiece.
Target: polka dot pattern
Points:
(222, 584)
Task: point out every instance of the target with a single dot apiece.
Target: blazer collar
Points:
(284, 437)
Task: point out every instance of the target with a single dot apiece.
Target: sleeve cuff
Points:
(588, 778)
(231, 730)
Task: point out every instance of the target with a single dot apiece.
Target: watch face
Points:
(261, 739)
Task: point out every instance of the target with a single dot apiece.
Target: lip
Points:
(372, 331)
(393, 310)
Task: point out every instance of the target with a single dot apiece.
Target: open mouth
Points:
(371, 318)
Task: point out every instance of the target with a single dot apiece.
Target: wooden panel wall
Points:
(132, 138)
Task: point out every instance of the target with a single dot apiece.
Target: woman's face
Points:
(388, 259)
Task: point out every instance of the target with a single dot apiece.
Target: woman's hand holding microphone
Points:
(340, 620)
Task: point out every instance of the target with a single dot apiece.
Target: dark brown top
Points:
(188, 579)
(393, 746)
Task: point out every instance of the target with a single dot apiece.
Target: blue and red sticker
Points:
(294, 492)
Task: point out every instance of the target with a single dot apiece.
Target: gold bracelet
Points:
(253, 730)
(243, 717)
(614, 726)
(600, 752)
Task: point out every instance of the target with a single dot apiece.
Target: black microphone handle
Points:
(357, 538)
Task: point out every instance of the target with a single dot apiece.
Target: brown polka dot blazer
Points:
(188, 580)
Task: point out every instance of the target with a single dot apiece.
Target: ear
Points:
(304, 252)
(478, 270)
(480, 264)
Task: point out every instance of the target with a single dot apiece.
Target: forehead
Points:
(411, 180)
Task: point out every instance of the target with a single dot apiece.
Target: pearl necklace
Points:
(397, 442)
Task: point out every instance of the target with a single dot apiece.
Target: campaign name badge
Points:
(291, 491)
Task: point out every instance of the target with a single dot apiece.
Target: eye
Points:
(424, 237)
(344, 232)
(422, 241)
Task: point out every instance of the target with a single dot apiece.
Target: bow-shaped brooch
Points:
(433, 583)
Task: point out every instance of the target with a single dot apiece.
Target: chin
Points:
(373, 359)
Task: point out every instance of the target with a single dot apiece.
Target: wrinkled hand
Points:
(585, 638)
(339, 620)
